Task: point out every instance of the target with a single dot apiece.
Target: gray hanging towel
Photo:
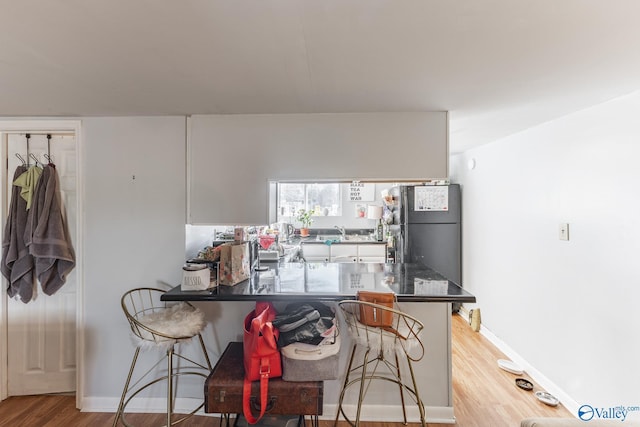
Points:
(17, 263)
(47, 236)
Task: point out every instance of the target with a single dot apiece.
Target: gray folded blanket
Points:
(46, 234)
(17, 263)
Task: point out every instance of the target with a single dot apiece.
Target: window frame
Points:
(280, 214)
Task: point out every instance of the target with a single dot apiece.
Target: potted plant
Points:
(304, 216)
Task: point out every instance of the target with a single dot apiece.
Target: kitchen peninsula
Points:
(421, 291)
(327, 281)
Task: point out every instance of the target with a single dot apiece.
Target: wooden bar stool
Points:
(383, 348)
(159, 325)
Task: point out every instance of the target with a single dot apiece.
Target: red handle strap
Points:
(265, 370)
(269, 334)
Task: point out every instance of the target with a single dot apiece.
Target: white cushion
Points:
(178, 321)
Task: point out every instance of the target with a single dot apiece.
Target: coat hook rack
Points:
(24, 163)
(35, 159)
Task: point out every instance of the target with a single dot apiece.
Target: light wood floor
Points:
(484, 396)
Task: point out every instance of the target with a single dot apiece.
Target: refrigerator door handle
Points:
(404, 206)
(404, 220)
(404, 243)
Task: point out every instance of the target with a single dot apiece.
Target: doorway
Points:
(43, 351)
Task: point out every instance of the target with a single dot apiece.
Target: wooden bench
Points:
(223, 390)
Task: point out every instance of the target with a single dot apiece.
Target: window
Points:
(323, 199)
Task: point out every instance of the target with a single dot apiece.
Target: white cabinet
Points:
(372, 253)
(316, 252)
(344, 253)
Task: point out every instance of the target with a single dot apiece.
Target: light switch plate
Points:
(564, 231)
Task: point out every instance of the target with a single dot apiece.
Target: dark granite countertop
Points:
(333, 282)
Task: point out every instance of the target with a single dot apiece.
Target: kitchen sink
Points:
(357, 238)
(325, 237)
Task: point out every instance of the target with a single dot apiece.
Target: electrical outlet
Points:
(564, 231)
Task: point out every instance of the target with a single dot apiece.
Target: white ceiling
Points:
(498, 66)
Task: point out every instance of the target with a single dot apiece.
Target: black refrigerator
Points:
(427, 225)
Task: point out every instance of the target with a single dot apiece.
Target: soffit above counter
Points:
(232, 158)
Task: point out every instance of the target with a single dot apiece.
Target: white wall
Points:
(566, 307)
(134, 232)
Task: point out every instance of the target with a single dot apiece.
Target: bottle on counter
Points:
(379, 232)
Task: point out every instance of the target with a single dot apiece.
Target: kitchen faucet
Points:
(342, 231)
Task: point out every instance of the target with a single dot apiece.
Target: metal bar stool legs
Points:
(415, 387)
(120, 416)
(401, 387)
(169, 385)
(126, 387)
(344, 386)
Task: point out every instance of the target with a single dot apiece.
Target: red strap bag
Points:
(261, 356)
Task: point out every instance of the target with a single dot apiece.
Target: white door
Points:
(42, 333)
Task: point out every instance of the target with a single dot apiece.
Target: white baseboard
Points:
(146, 405)
(566, 400)
(464, 313)
(392, 413)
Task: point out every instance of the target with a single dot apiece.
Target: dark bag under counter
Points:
(223, 390)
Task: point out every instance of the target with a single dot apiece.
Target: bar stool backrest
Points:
(402, 336)
(154, 322)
